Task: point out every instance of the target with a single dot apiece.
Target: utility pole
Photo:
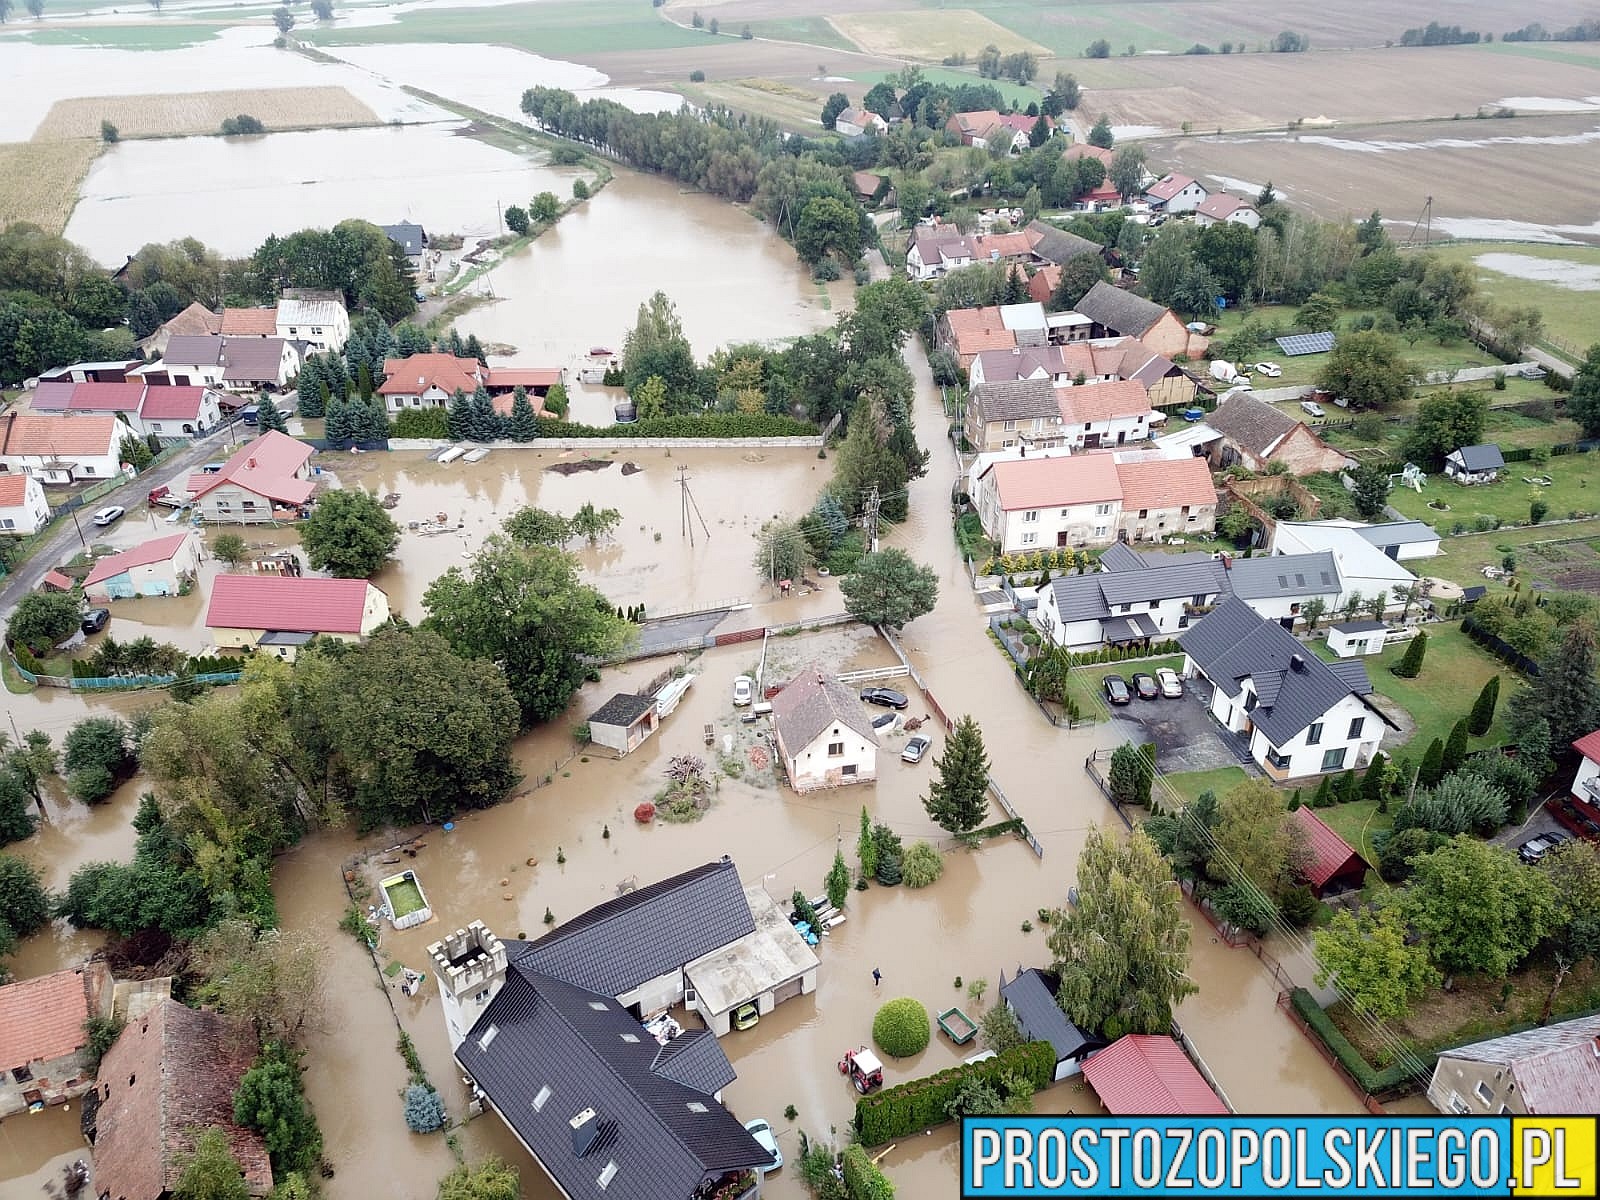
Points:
(686, 506)
(869, 519)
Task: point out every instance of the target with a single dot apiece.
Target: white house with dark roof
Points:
(1031, 997)
(1554, 1070)
(1279, 587)
(623, 722)
(1299, 716)
(1128, 601)
(1368, 556)
(824, 736)
(1475, 464)
(317, 318)
(1354, 639)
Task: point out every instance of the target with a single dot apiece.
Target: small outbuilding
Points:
(1333, 864)
(1475, 464)
(1031, 997)
(160, 567)
(824, 736)
(1147, 1075)
(764, 968)
(623, 722)
(1350, 639)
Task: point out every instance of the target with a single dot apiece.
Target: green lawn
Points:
(1356, 822)
(1571, 314)
(1454, 670)
(1502, 425)
(128, 37)
(1085, 681)
(1463, 558)
(1575, 489)
(559, 29)
(1069, 29)
(1190, 784)
(816, 31)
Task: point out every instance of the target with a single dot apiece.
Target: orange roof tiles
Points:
(1107, 401)
(13, 490)
(1056, 482)
(250, 322)
(42, 435)
(42, 1018)
(415, 375)
(974, 330)
(1169, 483)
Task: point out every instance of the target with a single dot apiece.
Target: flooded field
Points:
(579, 285)
(239, 190)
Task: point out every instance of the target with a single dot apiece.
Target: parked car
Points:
(887, 697)
(1535, 848)
(1144, 686)
(1171, 684)
(1312, 409)
(1557, 837)
(887, 721)
(95, 620)
(762, 1132)
(109, 515)
(915, 749)
(1270, 369)
(1341, 402)
(744, 691)
(1116, 689)
(746, 1016)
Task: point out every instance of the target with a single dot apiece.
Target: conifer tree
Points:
(268, 416)
(1411, 665)
(524, 427)
(1482, 716)
(337, 427)
(1432, 769)
(1455, 749)
(1375, 784)
(461, 409)
(959, 799)
(1324, 793)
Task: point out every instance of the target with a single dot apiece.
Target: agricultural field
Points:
(1563, 282)
(930, 36)
(1552, 555)
(39, 180)
(573, 29)
(814, 31)
(184, 113)
(1013, 92)
(791, 106)
(173, 35)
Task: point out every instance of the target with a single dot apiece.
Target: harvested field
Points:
(930, 36)
(559, 29)
(173, 115)
(730, 59)
(814, 31)
(39, 180)
(789, 106)
(1533, 178)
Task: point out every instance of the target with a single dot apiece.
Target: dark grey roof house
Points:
(1015, 400)
(1058, 245)
(1031, 997)
(1119, 311)
(411, 238)
(1285, 576)
(1129, 600)
(1475, 464)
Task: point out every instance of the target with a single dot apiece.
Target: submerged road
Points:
(1263, 1063)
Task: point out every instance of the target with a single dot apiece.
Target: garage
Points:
(788, 991)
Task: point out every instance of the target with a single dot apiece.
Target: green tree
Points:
(555, 401)
(230, 549)
(524, 426)
(24, 904)
(1126, 774)
(526, 609)
(1477, 908)
(1064, 95)
(271, 1099)
(1482, 715)
(657, 346)
(210, 1171)
(1574, 873)
(837, 883)
(958, 801)
(1101, 134)
(1432, 768)
(1375, 783)
(133, 451)
(491, 1179)
(1566, 693)
(349, 534)
(29, 760)
(900, 1028)
(270, 979)
(922, 865)
(1455, 747)
(592, 524)
(828, 226)
(832, 107)
(546, 207)
(16, 808)
(782, 551)
(1196, 292)
(1186, 838)
(1127, 170)
(1366, 368)
(531, 526)
(867, 847)
(1313, 611)
(1444, 422)
(1375, 967)
(1411, 665)
(998, 1029)
(1583, 401)
(283, 19)
(887, 588)
(1099, 48)
(96, 758)
(1122, 951)
(41, 619)
(322, 9)
(1256, 840)
(517, 219)
(1078, 275)
(1371, 492)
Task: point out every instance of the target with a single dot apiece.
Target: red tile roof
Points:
(1147, 1075)
(1168, 186)
(1330, 854)
(287, 603)
(504, 400)
(266, 467)
(59, 581)
(46, 435)
(974, 330)
(415, 375)
(1171, 483)
(107, 397)
(1222, 206)
(1044, 283)
(1589, 745)
(1056, 482)
(158, 550)
(42, 1018)
(1090, 402)
(250, 322)
(13, 492)
(171, 403)
(171, 1072)
(1085, 150)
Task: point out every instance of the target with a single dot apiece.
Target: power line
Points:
(686, 504)
(869, 518)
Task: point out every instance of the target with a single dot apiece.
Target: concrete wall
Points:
(655, 994)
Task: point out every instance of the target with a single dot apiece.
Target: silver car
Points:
(109, 515)
(1312, 409)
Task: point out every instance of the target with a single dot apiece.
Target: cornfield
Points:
(39, 180)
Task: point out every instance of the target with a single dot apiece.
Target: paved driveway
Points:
(1186, 736)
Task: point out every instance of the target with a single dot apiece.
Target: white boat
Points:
(450, 455)
(477, 455)
(672, 692)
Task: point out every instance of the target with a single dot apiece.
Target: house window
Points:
(7, 523)
(1065, 513)
(1278, 759)
(835, 749)
(1143, 513)
(1127, 608)
(1460, 1107)
(1102, 510)
(1333, 760)
(1029, 539)
(1009, 426)
(293, 332)
(1154, 604)
(1031, 515)
(248, 505)
(1314, 734)
(87, 470)
(1100, 531)
(1250, 702)
(848, 769)
(1356, 725)
(21, 1074)
(1483, 1093)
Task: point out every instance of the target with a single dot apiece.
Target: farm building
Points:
(623, 722)
(1349, 639)
(1334, 865)
(1258, 435)
(1118, 313)
(824, 737)
(23, 508)
(1475, 464)
(278, 614)
(159, 567)
(42, 1036)
(1150, 1076)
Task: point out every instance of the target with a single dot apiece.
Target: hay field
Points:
(176, 114)
(930, 35)
(39, 180)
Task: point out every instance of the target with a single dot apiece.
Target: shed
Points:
(158, 567)
(764, 968)
(1475, 464)
(1147, 1075)
(623, 722)
(1031, 997)
(1333, 864)
(1351, 638)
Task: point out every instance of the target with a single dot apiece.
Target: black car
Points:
(1116, 689)
(1145, 686)
(887, 697)
(95, 619)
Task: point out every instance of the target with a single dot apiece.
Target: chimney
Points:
(251, 464)
(585, 1128)
(1297, 662)
(1227, 561)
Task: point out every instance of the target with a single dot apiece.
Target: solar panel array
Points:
(1297, 344)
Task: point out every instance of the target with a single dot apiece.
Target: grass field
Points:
(931, 36)
(789, 106)
(815, 31)
(1189, 784)
(1568, 295)
(1462, 559)
(1575, 489)
(39, 180)
(203, 112)
(1355, 822)
(564, 28)
(162, 36)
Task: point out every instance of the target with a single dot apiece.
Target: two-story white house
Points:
(23, 508)
(1279, 587)
(1133, 600)
(429, 380)
(1586, 783)
(170, 411)
(1299, 716)
(57, 448)
(1176, 194)
(268, 479)
(315, 317)
(1225, 209)
(1038, 503)
(824, 737)
(1106, 413)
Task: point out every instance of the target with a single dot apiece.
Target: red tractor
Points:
(864, 1069)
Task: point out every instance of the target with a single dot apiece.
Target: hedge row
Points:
(920, 1104)
(1368, 1078)
(1110, 654)
(83, 668)
(973, 836)
(707, 425)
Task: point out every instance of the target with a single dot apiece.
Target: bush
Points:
(1369, 1078)
(862, 1180)
(826, 271)
(707, 425)
(922, 865)
(697, 76)
(424, 1109)
(901, 1028)
(920, 1104)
